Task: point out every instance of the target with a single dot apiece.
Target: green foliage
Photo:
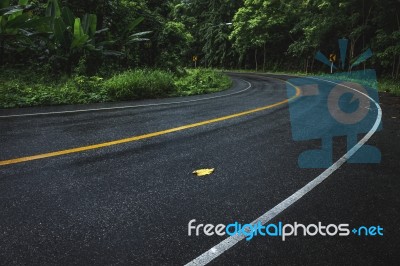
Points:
(87, 84)
(32, 89)
(139, 84)
(27, 88)
(75, 36)
(15, 93)
(54, 34)
(173, 40)
(389, 85)
(129, 37)
(291, 32)
(53, 9)
(18, 25)
(209, 22)
(86, 39)
(200, 81)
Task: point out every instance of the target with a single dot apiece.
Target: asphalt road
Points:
(130, 203)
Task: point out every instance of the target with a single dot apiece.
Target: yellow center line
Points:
(145, 136)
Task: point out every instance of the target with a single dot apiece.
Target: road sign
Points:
(195, 58)
(332, 57)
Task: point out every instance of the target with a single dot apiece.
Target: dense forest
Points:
(72, 37)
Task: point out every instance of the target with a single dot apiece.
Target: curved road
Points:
(130, 202)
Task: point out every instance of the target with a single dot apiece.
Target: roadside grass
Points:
(389, 85)
(21, 88)
(201, 81)
(139, 84)
(18, 91)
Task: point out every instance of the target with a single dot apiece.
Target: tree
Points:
(173, 41)
(259, 25)
(17, 25)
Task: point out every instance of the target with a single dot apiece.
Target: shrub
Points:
(28, 88)
(200, 81)
(139, 84)
(87, 84)
(389, 85)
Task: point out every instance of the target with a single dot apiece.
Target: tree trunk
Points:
(393, 66)
(2, 44)
(255, 58)
(313, 60)
(265, 56)
(306, 64)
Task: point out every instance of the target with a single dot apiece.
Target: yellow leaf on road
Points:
(203, 172)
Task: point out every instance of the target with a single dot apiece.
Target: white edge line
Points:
(128, 106)
(229, 242)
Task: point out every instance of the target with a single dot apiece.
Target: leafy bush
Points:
(87, 84)
(15, 93)
(389, 85)
(29, 88)
(22, 88)
(200, 81)
(139, 84)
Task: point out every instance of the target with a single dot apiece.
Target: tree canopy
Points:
(252, 34)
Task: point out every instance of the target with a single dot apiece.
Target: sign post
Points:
(332, 58)
(194, 58)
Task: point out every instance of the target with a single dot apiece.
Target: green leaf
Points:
(13, 11)
(102, 30)
(79, 42)
(89, 24)
(59, 30)
(18, 22)
(5, 10)
(105, 43)
(4, 3)
(133, 24)
(137, 40)
(136, 37)
(68, 16)
(112, 53)
(27, 33)
(93, 24)
(53, 9)
(91, 47)
(40, 24)
(22, 2)
(78, 31)
(140, 34)
(80, 38)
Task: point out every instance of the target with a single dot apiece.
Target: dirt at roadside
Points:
(391, 108)
(388, 140)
